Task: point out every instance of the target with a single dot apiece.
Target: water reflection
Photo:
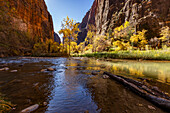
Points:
(66, 90)
(159, 71)
(71, 95)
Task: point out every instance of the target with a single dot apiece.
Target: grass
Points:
(135, 55)
(5, 106)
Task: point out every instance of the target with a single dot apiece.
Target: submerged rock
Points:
(43, 70)
(51, 69)
(151, 107)
(30, 109)
(86, 111)
(45, 103)
(94, 73)
(105, 77)
(4, 69)
(14, 71)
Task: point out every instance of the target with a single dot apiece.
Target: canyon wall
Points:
(57, 38)
(145, 14)
(23, 19)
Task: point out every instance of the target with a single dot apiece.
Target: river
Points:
(73, 88)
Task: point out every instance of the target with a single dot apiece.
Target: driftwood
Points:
(148, 92)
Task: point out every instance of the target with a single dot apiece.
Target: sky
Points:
(60, 9)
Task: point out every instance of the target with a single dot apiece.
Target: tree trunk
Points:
(148, 92)
(69, 46)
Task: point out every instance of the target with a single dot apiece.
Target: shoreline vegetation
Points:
(158, 55)
(162, 55)
(5, 106)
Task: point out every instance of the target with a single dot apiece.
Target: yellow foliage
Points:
(121, 45)
(165, 33)
(139, 38)
(69, 31)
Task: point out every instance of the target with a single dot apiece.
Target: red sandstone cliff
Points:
(21, 19)
(147, 14)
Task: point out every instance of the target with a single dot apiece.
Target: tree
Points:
(90, 34)
(121, 36)
(139, 39)
(69, 31)
(165, 34)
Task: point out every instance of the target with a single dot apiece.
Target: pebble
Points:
(45, 103)
(51, 69)
(4, 69)
(30, 109)
(36, 84)
(105, 77)
(43, 70)
(140, 105)
(14, 71)
(151, 107)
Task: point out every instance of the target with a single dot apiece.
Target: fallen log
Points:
(150, 89)
(161, 100)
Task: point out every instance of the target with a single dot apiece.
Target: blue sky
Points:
(60, 9)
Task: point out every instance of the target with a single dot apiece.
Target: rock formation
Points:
(57, 38)
(87, 20)
(144, 14)
(21, 19)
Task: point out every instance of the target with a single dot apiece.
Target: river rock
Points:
(151, 107)
(140, 105)
(30, 109)
(105, 77)
(94, 73)
(36, 84)
(51, 69)
(43, 70)
(4, 69)
(45, 103)
(14, 71)
(86, 111)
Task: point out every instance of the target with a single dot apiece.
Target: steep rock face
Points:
(57, 38)
(34, 15)
(87, 20)
(144, 14)
(21, 19)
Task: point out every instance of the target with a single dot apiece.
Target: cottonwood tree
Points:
(69, 31)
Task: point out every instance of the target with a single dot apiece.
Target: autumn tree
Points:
(165, 34)
(69, 31)
(139, 39)
(121, 36)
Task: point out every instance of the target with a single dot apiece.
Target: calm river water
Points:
(72, 88)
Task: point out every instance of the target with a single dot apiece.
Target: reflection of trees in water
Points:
(159, 71)
(156, 70)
